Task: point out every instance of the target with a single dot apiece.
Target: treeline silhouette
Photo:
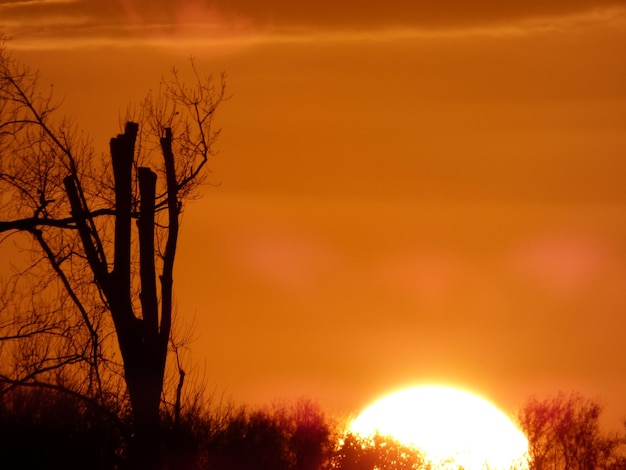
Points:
(49, 428)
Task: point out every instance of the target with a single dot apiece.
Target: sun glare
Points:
(447, 425)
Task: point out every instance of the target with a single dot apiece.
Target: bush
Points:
(44, 428)
(297, 437)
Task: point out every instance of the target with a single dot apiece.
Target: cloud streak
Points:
(80, 23)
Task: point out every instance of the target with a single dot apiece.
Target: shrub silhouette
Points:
(376, 453)
(297, 437)
(43, 428)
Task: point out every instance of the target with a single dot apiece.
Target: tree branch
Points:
(172, 238)
(147, 271)
(93, 334)
(98, 265)
(30, 223)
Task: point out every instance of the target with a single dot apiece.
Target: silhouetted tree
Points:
(564, 434)
(91, 271)
(297, 437)
(377, 453)
(312, 436)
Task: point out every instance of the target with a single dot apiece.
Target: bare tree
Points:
(93, 274)
(564, 433)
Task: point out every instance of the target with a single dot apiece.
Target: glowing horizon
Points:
(449, 425)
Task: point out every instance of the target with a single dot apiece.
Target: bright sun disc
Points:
(447, 424)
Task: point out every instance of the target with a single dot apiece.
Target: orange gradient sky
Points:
(407, 192)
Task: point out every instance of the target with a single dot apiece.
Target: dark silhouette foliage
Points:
(42, 428)
(376, 453)
(564, 433)
(47, 428)
(51, 428)
(297, 437)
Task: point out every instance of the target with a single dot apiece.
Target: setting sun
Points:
(264, 218)
(447, 425)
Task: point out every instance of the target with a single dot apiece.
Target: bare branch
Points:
(93, 334)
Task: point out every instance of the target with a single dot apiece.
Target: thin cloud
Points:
(49, 24)
(7, 5)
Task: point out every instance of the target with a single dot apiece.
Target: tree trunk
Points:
(142, 346)
(144, 388)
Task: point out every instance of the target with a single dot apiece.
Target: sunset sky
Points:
(405, 191)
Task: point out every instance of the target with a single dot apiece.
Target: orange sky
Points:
(407, 193)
